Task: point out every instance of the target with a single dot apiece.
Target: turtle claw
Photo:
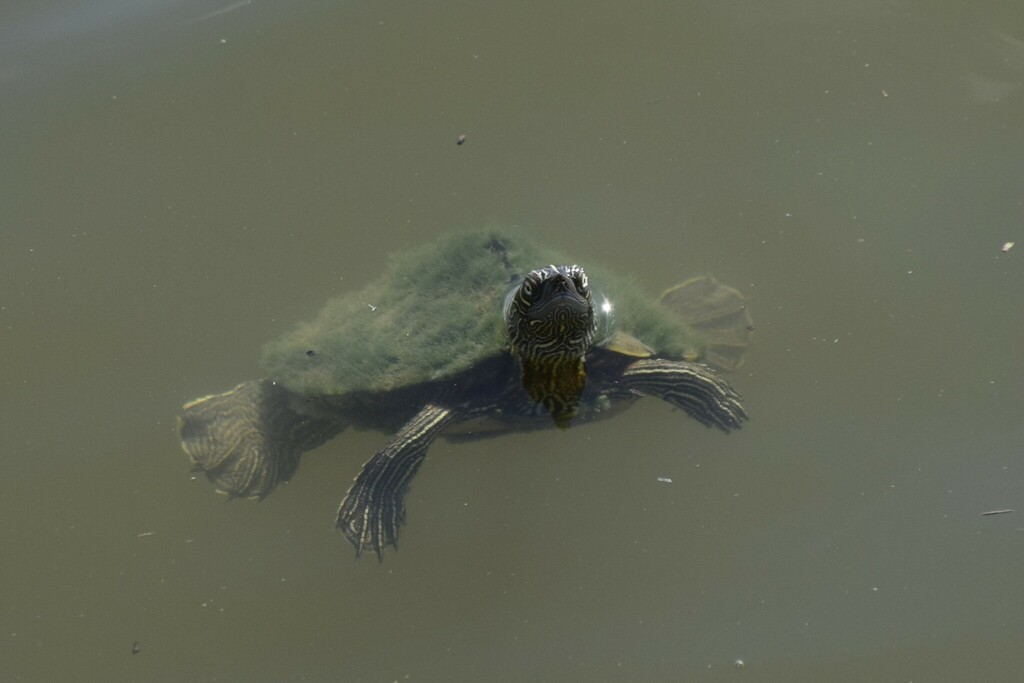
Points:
(374, 508)
(365, 531)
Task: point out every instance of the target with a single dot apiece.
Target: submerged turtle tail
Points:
(249, 439)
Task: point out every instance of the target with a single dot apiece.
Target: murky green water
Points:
(182, 183)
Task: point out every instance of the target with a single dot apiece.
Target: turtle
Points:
(472, 335)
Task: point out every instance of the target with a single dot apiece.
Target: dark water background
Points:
(182, 181)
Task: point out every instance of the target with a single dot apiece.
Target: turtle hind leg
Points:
(374, 508)
(719, 313)
(249, 439)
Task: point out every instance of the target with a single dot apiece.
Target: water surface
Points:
(184, 181)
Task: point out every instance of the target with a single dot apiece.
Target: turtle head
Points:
(550, 315)
(551, 325)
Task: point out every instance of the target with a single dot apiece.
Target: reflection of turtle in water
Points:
(472, 329)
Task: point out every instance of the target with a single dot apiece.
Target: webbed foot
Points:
(374, 508)
(249, 439)
(719, 313)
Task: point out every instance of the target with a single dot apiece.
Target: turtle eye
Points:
(531, 286)
(579, 278)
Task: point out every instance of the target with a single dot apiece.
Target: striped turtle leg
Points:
(249, 439)
(374, 508)
(695, 388)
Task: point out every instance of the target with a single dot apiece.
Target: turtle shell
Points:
(437, 310)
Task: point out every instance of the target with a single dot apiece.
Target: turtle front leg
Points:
(374, 507)
(693, 387)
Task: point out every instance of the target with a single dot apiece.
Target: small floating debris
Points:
(145, 533)
(665, 480)
(372, 308)
(136, 648)
(1007, 247)
(996, 512)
